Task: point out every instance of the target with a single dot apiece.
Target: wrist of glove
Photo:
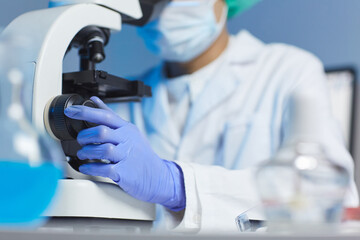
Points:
(133, 164)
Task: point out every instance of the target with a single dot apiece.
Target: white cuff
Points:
(188, 220)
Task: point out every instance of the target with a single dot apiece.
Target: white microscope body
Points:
(51, 31)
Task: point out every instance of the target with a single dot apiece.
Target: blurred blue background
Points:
(328, 28)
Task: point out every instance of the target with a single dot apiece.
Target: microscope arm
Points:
(130, 8)
(133, 12)
(50, 32)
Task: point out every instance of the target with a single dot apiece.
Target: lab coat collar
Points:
(157, 110)
(242, 49)
(245, 48)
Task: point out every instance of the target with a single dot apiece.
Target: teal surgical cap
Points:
(239, 6)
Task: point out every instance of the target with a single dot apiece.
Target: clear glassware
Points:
(245, 224)
(302, 190)
(30, 162)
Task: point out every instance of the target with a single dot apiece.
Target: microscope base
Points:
(100, 200)
(96, 225)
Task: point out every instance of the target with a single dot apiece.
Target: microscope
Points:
(82, 201)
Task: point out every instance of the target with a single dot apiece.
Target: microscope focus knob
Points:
(58, 124)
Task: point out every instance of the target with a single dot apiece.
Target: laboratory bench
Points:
(12, 235)
(110, 229)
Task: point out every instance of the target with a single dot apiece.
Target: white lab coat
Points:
(237, 121)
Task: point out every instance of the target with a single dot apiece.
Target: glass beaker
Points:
(30, 162)
(302, 190)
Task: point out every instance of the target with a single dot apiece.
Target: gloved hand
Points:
(134, 166)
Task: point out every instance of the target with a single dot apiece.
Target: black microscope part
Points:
(151, 9)
(79, 86)
(91, 41)
(67, 129)
(96, 51)
(106, 86)
(62, 127)
(85, 84)
(88, 34)
(70, 148)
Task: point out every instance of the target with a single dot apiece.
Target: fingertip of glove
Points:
(80, 154)
(84, 168)
(95, 99)
(72, 111)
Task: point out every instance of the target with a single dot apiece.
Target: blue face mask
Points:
(184, 30)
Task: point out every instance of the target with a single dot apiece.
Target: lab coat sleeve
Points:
(313, 82)
(215, 196)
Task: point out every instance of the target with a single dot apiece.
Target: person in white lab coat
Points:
(220, 107)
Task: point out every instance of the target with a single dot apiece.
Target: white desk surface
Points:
(94, 236)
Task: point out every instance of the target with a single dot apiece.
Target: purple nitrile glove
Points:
(134, 165)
